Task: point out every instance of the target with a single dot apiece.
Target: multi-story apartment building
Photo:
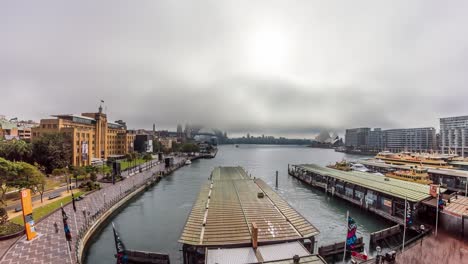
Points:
(357, 137)
(405, 139)
(92, 136)
(375, 140)
(454, 135)
(410, 139)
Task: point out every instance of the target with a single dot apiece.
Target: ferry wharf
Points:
(239, 219)
(451, 179)
(381, 195)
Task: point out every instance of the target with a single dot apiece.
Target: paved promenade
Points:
(51, 246)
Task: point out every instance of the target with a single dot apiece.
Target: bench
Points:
(18, 209)
(53, 196)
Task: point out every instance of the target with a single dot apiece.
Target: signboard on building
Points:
(149, 146)
(26, 203)
(84, 150)
(433, 190)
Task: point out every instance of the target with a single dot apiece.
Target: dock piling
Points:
(276, 180)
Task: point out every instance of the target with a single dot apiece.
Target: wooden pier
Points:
(337, 248)
(375, 237)
(381, 195)
(234, 211)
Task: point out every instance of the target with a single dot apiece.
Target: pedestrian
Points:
(56, 227)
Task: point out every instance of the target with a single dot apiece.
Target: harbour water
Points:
(154, 220)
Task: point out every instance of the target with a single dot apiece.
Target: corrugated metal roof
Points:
(312, 259)
(282, 251)
(414, 192)
(277, 253)
(443, 171)
(231, 256)
(226, 208)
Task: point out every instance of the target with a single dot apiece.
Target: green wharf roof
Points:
(414, 192)
(227, 206)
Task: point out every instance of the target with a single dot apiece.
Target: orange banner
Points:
(26, 203)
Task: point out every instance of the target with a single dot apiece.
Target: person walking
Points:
(56, 227)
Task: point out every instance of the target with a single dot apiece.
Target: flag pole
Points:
(74, 212)
(437, 209)
(404, 225)
(68, 242)
(344, 250)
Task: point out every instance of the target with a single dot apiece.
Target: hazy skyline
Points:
(264, 67)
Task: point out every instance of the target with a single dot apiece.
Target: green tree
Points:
(93, 176)
(16, 150)
(29, 176)
(147, 157)
(157, 146)
(52, 151)
(189, 147)
(8, 173)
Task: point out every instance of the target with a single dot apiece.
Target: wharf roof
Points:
(227, 206)
(459, 163)
(443, 171)
(414, 192)
(277, 253)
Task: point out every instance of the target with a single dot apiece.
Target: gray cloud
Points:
(241, 66)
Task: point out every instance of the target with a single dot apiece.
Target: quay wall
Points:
(87, 234)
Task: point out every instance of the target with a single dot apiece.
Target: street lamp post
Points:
(104, 199)
(379, 251)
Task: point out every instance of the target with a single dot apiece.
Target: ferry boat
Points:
(342, 165)
(418, 175)
(188, 162)
(406, 158)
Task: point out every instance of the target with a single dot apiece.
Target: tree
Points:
(93, 176)
(16, 150)
(157, 146)
(147, 157)
(189, 147)
(52, 151)
(28, 176)
(8, 173)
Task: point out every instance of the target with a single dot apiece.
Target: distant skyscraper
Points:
(180, 132)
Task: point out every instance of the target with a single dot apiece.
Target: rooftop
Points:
(227, 206)
(278, 253)
(414, 192)
(443, 171)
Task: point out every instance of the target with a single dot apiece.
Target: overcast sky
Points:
(275, 67)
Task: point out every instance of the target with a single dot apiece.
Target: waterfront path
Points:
(51, 246)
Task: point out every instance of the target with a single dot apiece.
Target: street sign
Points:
(26, 203)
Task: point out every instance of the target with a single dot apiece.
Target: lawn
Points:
(40, 212)
(127, 164)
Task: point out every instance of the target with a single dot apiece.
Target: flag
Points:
(120, 248)
(73, 202)
(351, 236)
(66, 228)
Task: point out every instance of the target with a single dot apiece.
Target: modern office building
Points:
(357, 137)
(375, 140)
(144, 143)
(410, 139)
(454, 135)
(405, 139)
(93, 137)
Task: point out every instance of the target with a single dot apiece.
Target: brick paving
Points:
(51, 246)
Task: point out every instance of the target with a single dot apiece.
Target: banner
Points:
(433, 188)
(84, 150)
(351, 236)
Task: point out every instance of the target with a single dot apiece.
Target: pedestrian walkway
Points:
(51, 246)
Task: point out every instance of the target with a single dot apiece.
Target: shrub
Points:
(93, 176)
(3, 216)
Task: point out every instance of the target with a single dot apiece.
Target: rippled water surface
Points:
(154, 220)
